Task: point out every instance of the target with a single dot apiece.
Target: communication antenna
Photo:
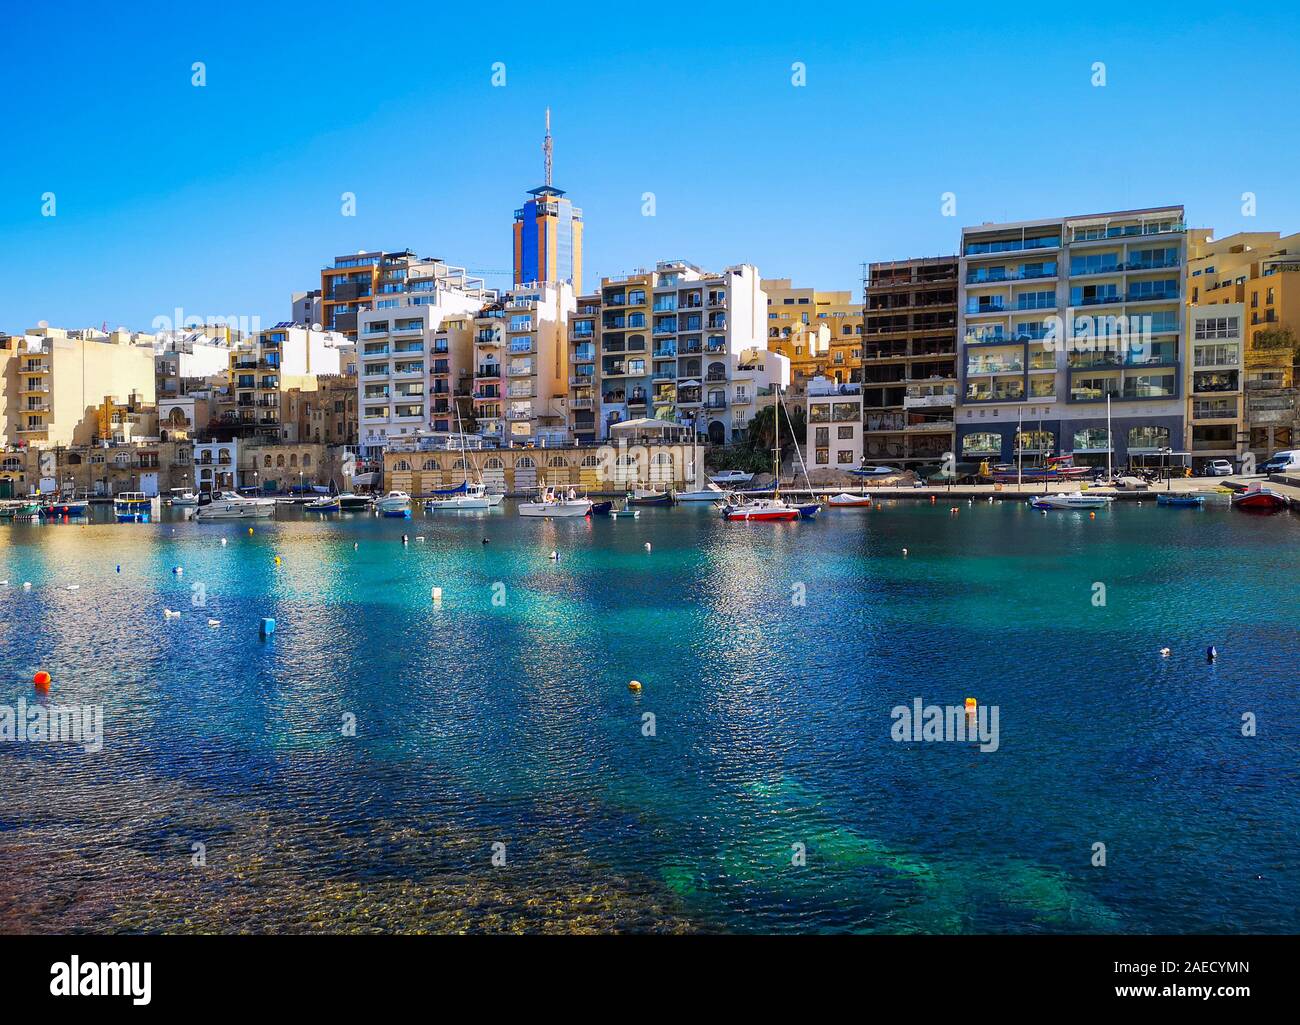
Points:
(546, 147)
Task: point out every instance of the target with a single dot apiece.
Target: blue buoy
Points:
(1211, 653)
(178, 570)
(268, 627)
(119, 567)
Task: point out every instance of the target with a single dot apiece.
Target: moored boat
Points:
(1073, 500)
(644, 496)
(601, 508)
(65, 507)
(551, 504)
(759, 509)
(229, 505)
(732, 477)
(1259, 498)
(350, 502)
(326, 503)
(132, 507)
(182, 498)
(468, 496)
(709, 493)
(395, 503)
(847, 501)
(1180, 500)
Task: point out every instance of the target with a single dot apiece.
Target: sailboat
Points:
(464, 495)
(740, 508)
(807, 510)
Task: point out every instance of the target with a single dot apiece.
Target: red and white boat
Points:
(1259, 498)
(759, 509)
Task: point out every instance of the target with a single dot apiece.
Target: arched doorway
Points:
(717, 433)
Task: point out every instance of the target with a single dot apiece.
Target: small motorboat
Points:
(66, 507)
(876, 471)
(711, 493)
(395, 503)
(1180, 500)
(1074, 500)
(601, 508)
(1259, 498)
(349, 502)
(732, 477)
(846, 501)
(181, 498)
(324, 504)
(625, 513)
(230, 505)
(550, 504)
(642, 496)
(132, 507)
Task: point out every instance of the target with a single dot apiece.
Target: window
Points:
(1148, 437)
(982, 443)
(1216, 327)
(844, 455)
(844, 434)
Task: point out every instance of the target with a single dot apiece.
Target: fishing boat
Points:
(601, 508)
(65, 507)
(1180, 500)
(551, 504)
(324, 504)
(732, 477)
(643, 496)
(230, 505)
(395, 503)
(1259, 498)
(25, 509)
(182, 498)
(1057, 468)
(847, 501)
(132, 507)
(1074, 500)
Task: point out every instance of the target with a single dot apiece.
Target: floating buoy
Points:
(971, 706)
(1092, 515)
(1211, 653)
(74, 587)
(277, 560)
(904, 551)
(27, 585)
(214, 622)
(555, 556)
(485, 541)
(250, 530)
(419, 537)
(437, 595)
(178, 570)
(405, 540)
(119, 567)
(953, 511)
(267, 627)
(634, 685)
(647, 546)
(933, 499)
(223, 542)
(1164, 652)
(355, 546)
(42, 680)
(169, 614)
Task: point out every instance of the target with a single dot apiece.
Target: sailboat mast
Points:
(1110, 445)
(1020, 447)
(776, 448)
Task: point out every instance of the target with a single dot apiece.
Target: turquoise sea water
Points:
(511, 723)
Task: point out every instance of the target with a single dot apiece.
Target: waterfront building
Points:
(416, 359)
(216, 465)
(820, 333)
(584, 370)
(548, 232)
(521, 365)
(378, 280)
(834, 425)
(909, 360)
(289, 466)
(685, 344)
(1260, 273)
(280, 357)
(325, 414)
(55, 381)
(1213, 381)
(1057, 316)
(101, 469)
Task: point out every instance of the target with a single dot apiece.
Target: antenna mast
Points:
(546, 147)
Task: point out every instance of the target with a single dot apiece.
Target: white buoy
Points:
(904, 551)
(27, 585)
(419, 537)
(214, 622)
(74, 587)
(223, 542)
(647, 546)
(555, 556)
(437, 595)
(1164, 652)
(169, 614)
(178, 570)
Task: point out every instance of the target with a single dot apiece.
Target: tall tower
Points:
(548, 231)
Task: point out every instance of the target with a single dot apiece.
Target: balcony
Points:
(489, 370)
(995, 367)
(944, 399)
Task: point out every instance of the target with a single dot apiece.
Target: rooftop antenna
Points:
(546, 147)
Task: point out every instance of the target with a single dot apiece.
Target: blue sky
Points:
(222, 200)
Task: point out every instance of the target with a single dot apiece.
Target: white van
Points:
(1283, 462)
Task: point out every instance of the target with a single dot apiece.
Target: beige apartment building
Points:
(56, 381)
(819, 332)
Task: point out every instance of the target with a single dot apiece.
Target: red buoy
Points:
(42, 680)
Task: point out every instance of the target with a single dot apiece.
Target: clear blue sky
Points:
(224, 199)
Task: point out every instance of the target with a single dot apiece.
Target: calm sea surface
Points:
(506, 728)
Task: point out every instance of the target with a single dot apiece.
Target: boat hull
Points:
(253, 510)
(1181, 501)
(701, 496)
(1259, 503)
(760, 514)
(554, 510)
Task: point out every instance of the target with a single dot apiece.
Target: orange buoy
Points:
(971, 706)
(42, 680)
(932, 499)
(1092, 515)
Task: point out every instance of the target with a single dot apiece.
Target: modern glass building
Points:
(548, 239)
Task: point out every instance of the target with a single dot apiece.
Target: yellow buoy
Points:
(634, 685)
(277, 560)
(250, 530)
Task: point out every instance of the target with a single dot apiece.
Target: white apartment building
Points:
(415, 354)
(834, 424)
(1057, 320)
(1214, 386)
(521, 365)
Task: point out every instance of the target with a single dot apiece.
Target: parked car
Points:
(1283, 462)
(1218, 468)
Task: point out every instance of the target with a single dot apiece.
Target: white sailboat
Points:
(701, 492)
(741, 508)
(472, 496)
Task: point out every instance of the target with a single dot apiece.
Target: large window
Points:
(1148, 437)
(981, 443)
(1091, 439)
